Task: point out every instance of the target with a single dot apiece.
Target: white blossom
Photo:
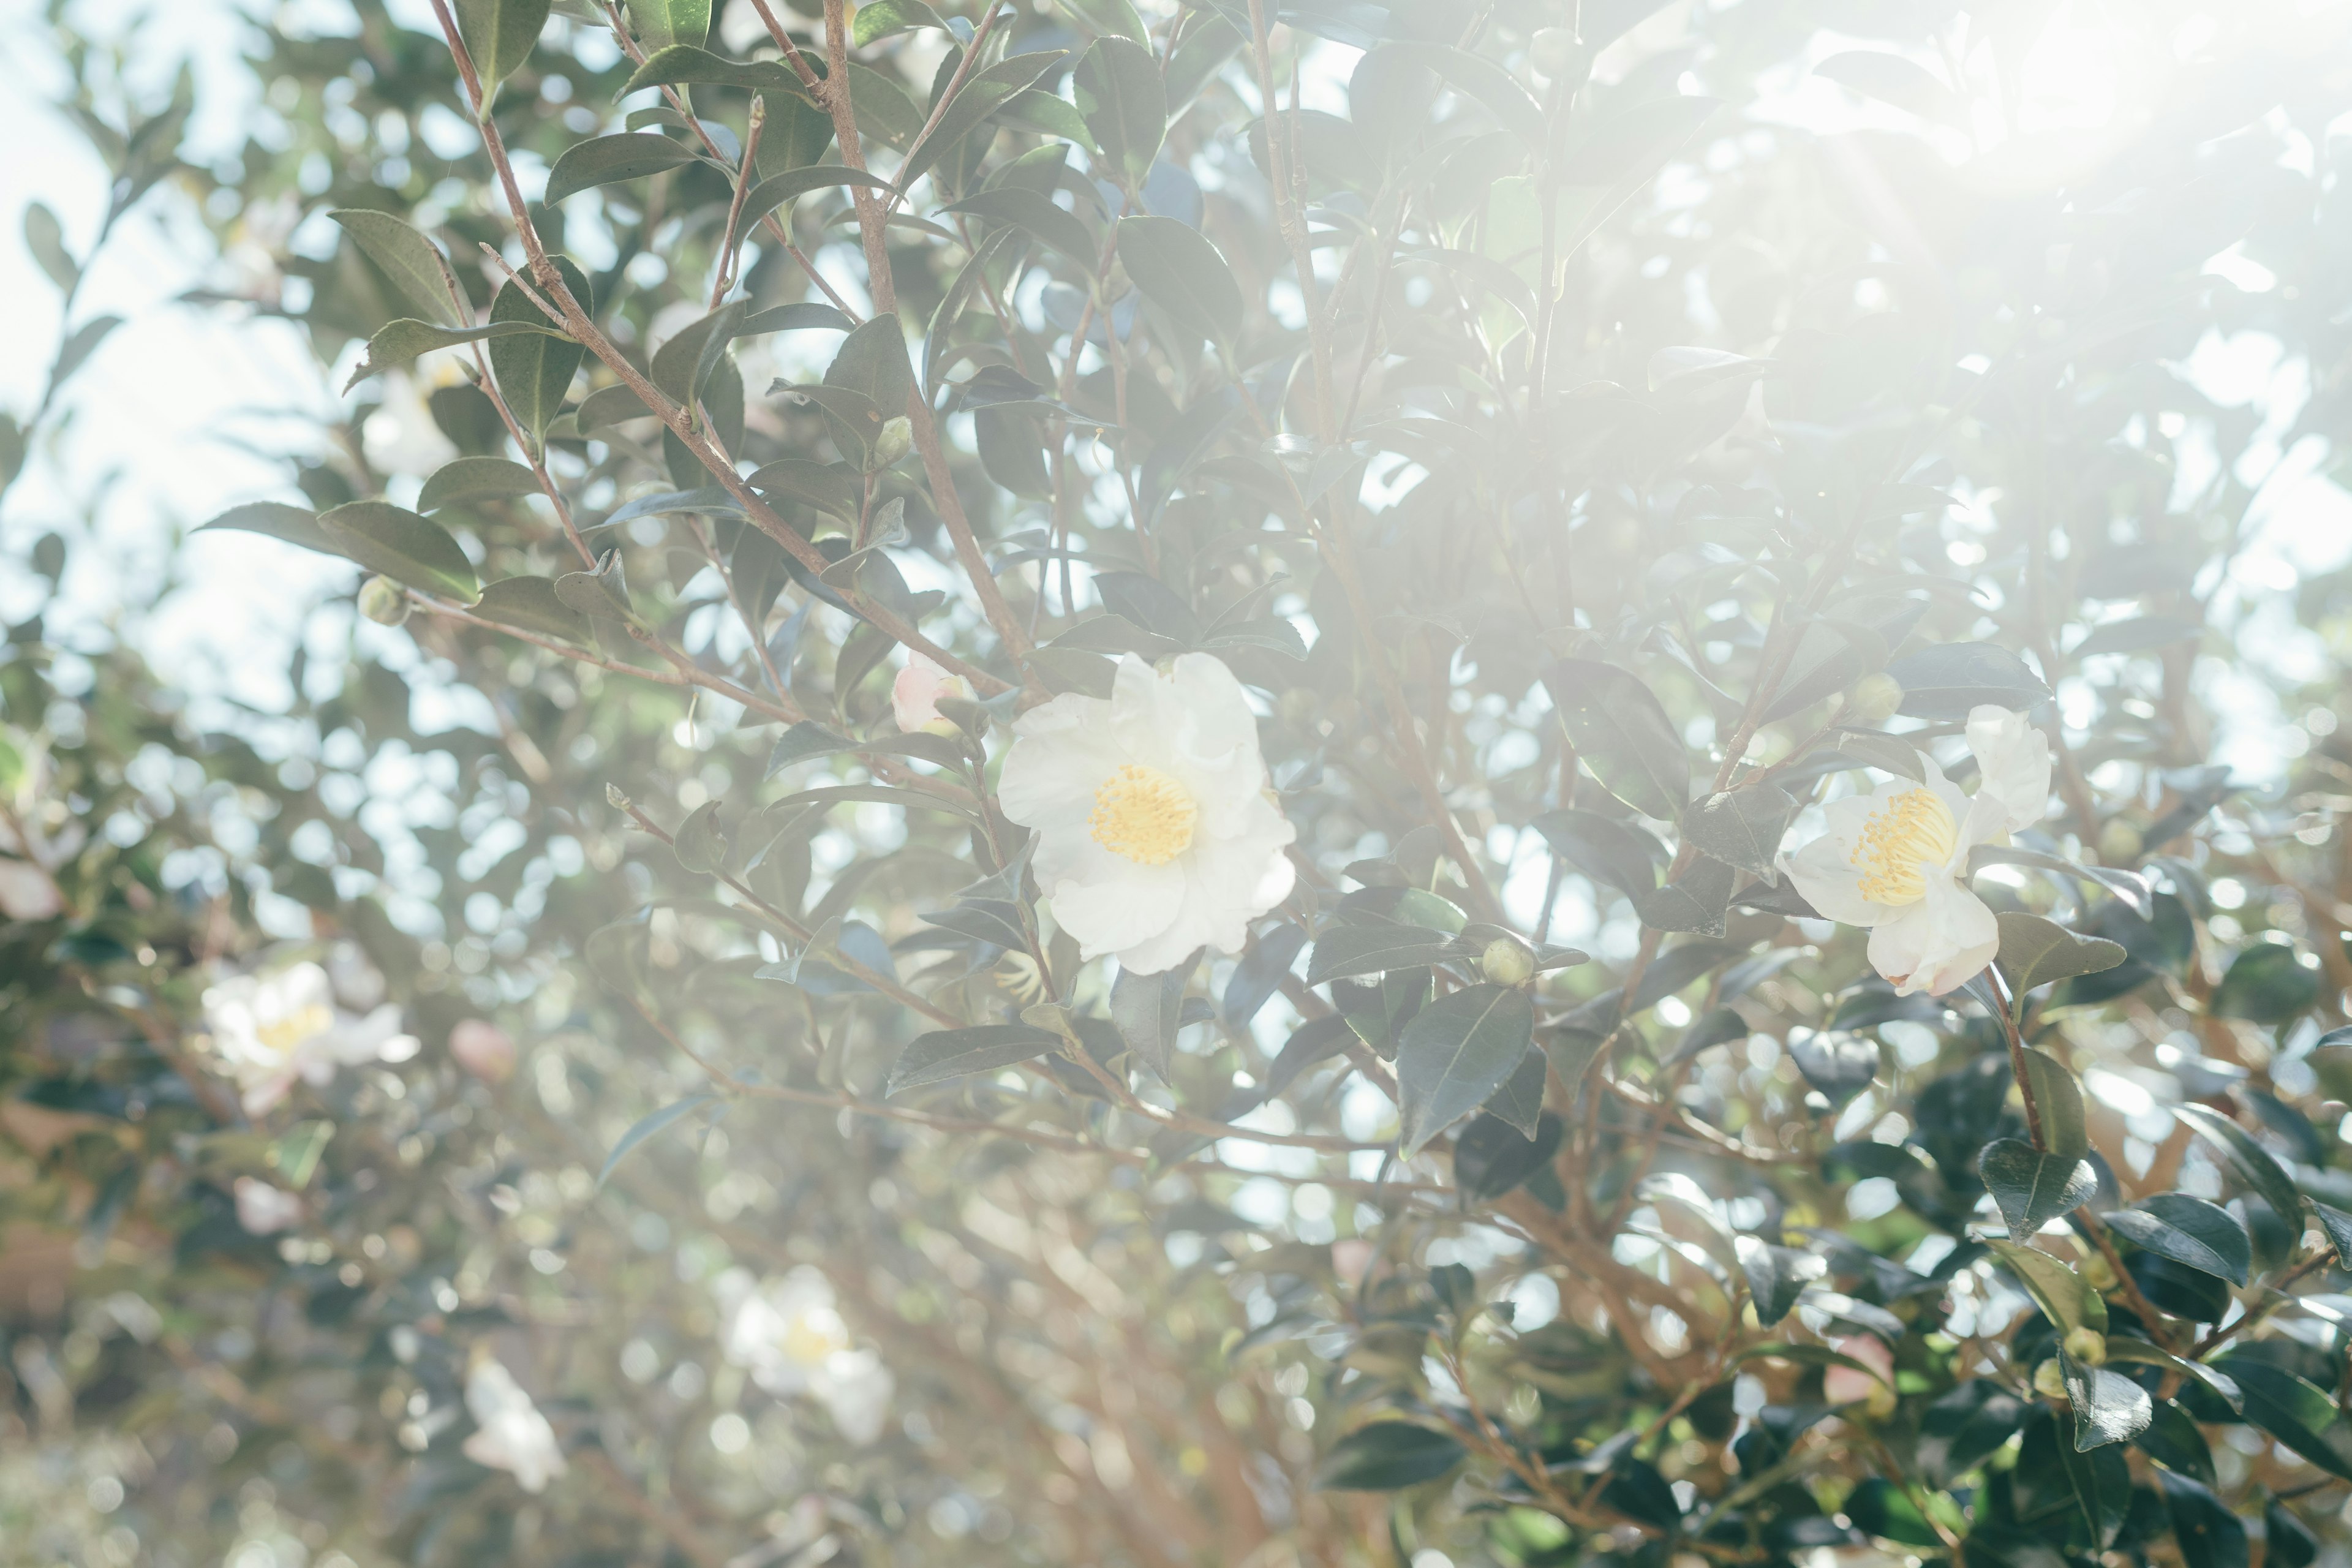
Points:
(915, 696)
(1896, 860)
(788, 1333)
(270, 1030)
(264, 1209)
(510, 1434)
(1157, 834)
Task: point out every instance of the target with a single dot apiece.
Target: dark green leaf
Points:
(530, 604)
(1622, 734)
(2208, 1534)
(1741, 828)
(2109, 1406)
(1386, 1457)
(2287, 1541)
(1125, 106)
(535, 372)
(881, 18)
(662, 23)
(1519, 1101)
(1776, 1275)
(1342, 953)
(983, 95)
(1454, 1054)
(2059, 1099)
(408, 260)
(1611, 852)
(2252, 1161)
(1260, 974)
(401, 343)
(1839, 1064)
(1183, 273)
(1880, 1508)
(2036, 953)
(677, 1111)
(1491, 1157)
(403, 546)
(2174, 1440)
(777, 189)
(2268, 983)
(1697, 901)
(2188, 1230)
(1966, 1427)
(2293, 1411)
(683, 63)
(294, 524)
(45, 237)
(700, 844)
(1479, 78)
(1035, 215)
(1947, 680)
(1148, 1009)
(498, 33)
(944, 1054)
(472, 480)
(2033, 1188)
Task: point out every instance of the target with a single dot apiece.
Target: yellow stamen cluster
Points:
(1915, 831)
(283, 1034)
(1144, 815)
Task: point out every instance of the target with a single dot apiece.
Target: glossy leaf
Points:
(944, 1054)
(1622, 734)
(1183, 273)
(1454, 1054)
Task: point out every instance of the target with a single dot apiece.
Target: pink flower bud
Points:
(483, 1049)
(915, 696)
(1845, 1386)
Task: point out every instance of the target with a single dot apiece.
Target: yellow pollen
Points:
(1913, 832)
(1144, 815)
(282, 1035)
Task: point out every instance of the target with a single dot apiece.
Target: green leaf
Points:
(872, 360)
(825, 486)
(2033, 1188)
(294, 524)
(1148, 1009)
(1741, 828)
(2174, 1440)
(983, 95)
(1947, 680)
(79, 344)
(470, 479)
(2336, 1226)
(2208, 1533)
(2248, 1159)
(2101, 1482)
(1386, 1457)
(609, 160)
(1837, 1062)
(2036, 953)
(405, 256)
(679, 65)
(700, 844)
(1962, 1428)
(499, 35)
(1454, 1054)
(1518, 1103)
(669, 1115)
(45, 237)
(1697, 901)
(403, 547)
(664, 23)
(1477, 77)
(1179, 271)
(2065, 1296)
(2293, 1411)
(2191, 1232)
(1776, 1275)
(2142, 1353)
(881, 18)
(1034, 214)
(535, 371)
(1105, 16)
(944, 1054)
(1124, 104)
(2059, 1098)
(777, 189)
(1344, 952)
(2268, 983)
(401, 343)
(1613, 853)
(807, 315)
(2288, 1542)
(1622, 734)
(1880, 1508)
(532, 604)
(2109, 1406)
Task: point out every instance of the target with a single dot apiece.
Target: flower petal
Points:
(1825, 870)
(2015, 790)
(1061, 752)
(1114, 912)
(1945, 939)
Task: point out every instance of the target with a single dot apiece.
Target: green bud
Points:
(896, 439)
(2048, 1381)
(383, 601)
(2095, 1270)
(1508, 961)
(2087, 1345)
(2119, 842)
(1874, 698)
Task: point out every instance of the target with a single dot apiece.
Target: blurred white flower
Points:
(1896, 859)
(484, 1049)
(789, 1335)
(915, 696)
(512, 1435)
(269, 1030)
(26, 892)
(264, 1209)
(1156, 832)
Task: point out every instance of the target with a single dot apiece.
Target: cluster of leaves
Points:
(1592, 477)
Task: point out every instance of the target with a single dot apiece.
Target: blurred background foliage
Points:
(1817, 368)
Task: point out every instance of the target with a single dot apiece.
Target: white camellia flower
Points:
(1156, 832)
(510, 1434)
(788, 1333)
(270, 1030)
(1896, 859)
(265, 1210)
(915, 696)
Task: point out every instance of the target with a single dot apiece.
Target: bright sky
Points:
(180, 412)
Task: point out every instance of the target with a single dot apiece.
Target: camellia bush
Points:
(1251, 784)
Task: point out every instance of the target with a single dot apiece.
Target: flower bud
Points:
(2096, 1270)
(484, 1049)
(896, 439)
(383, 601)
(1874, 698)
(916, 694)
(2119, 842)
(2087, 1345)
(1508, 961)
(2048, 1381)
